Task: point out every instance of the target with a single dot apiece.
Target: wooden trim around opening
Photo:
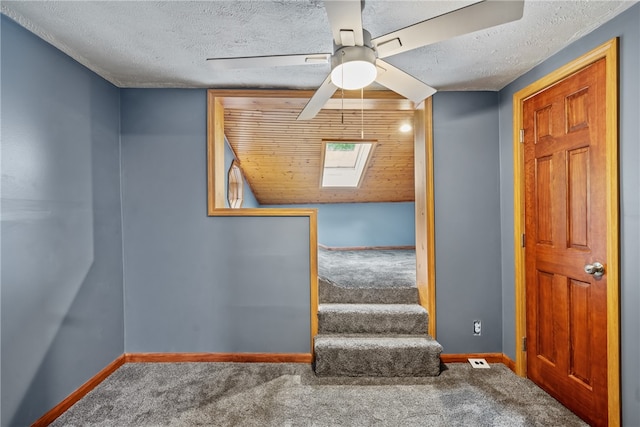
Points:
(216, 191)
(313, 279)
(609, 51)
(423, 146)
(82, 391)
(424, 211)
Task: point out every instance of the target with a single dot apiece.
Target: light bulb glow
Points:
(357, 74)
(405, 127)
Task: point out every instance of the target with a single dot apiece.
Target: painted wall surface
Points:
(248, 196)
(188, 287)
(627, 27)
(195, 283)
(61, 280)
(467, 220)
(364, 224)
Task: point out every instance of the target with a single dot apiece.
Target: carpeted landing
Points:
(368, 268)
(230, 394)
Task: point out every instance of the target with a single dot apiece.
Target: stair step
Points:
(330, 292)
(372, 319)
(377, 356)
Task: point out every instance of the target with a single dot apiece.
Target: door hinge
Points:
(523, 240)
(522, 136)
(524, 343)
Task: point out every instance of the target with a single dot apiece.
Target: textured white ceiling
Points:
(165, 43)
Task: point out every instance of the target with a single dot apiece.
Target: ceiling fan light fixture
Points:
(353, 67)
(354, 75)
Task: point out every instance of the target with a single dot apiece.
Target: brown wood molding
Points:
(282, 156)
(510, 363)
(219, 357)
(608, 50)
(424, 211)
(85, 388)
(92, 383)
(489, 357)
(461, 358)
(364, 248)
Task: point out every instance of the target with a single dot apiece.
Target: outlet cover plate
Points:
(479, 363)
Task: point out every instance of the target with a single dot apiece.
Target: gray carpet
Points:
(228, 394)
(331, 292)
(368, 268)
(372, 319)
(377, 355)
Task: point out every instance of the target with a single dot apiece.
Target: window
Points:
(235, 188)
(344, 163)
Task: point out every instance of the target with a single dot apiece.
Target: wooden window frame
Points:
(326, 142)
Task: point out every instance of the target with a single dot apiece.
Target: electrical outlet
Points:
(477, 327)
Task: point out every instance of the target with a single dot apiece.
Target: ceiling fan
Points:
(357, 58)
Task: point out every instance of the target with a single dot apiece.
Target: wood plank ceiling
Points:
(281, 158)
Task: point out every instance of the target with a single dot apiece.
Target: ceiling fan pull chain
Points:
(342, 91)
(342, 108)
(361, 113)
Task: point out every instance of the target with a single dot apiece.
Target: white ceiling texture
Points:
(166, 43)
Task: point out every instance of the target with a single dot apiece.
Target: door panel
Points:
(565, 225)
(579, 336)
(546, 330)
(578, 188)
(544, 212)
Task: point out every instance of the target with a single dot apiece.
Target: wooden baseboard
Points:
(219, 357)
(364, 248)
(489, 357)
(509, 363)
(85, 388)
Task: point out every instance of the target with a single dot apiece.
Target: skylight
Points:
(344, 163)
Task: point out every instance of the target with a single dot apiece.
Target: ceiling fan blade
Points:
(400, 82)
(345, 17)
(468, 19)
(317, 101)
(268, 61)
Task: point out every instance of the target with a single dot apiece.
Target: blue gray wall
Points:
(61, 279)
(187, 285)
(467, 220)
(364, 224)
(627, 27)
(195, 283)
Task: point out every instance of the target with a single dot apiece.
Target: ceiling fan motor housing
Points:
(352, 53)
(353, 67)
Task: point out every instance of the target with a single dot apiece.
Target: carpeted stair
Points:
(373, 332)
(331, 292)
(410, 319)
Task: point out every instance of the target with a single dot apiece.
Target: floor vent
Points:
(479, 363)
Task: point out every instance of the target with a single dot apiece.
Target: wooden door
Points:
(565, 229)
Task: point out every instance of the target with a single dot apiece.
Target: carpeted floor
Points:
(229, 394)
(368, 268)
